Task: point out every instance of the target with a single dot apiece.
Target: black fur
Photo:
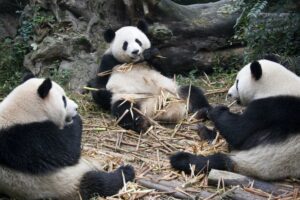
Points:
(205, 133)
(132, 120)
(256, 70)
(265, 121)
(104, 184)
(272, 57)
(103, 96)
(197, 100)
(182, 160)
(27, 76)
(109, 35)
(143, 26)
(44, 88)
(108, 62)
(150, 56)
(40, 147)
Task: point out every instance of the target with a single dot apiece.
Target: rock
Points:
(82, 69)
(9, 19)
(8, 25)
(71, 54)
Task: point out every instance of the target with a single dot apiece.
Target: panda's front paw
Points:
(182, 161)
(202, 114)
(206, 133)
(150, 53)
(128, 172)
(215, 112)
(141, 124)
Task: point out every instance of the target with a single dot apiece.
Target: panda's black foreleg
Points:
(105, 184)
(233, 127)
(128, 117)
(102, 97)
(197, 99)
(183, 161)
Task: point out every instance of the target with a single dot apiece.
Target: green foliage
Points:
(191, 78)
(12, 52)
(11, 64)
(249, 9)
(264, 31)
(38, 19)
(62, 77)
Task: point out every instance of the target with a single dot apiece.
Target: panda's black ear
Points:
(44, 88)
(109, 35)
(256, 70)
(143, 26)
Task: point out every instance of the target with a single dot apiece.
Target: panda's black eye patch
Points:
(125, 45)
(65, 101)
(139, 42)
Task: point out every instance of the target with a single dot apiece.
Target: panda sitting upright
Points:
(265, 138)
(136, 94)
(40, 144)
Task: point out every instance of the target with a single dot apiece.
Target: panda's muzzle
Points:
(69, 120)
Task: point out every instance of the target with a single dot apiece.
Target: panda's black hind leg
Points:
(182, 161)
(197, 99)
(128, 117)
(105, 184)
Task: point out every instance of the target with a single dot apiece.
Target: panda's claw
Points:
(205, 133)
(128, 171)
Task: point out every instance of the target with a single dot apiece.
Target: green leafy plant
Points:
(12, 52)
(11, 64)
(38, 19)
(265, 29)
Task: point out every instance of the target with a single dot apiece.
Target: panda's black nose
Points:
(135, 52)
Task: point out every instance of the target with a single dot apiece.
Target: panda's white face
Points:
(264, 79)
(129, 44)
(37, 100)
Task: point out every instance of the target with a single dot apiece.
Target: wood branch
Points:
(239, 194)
(231, 178)
(173, 187)
(163, 188)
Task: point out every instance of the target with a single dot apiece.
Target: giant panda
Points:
(135, 95)
(40, 144)
(265, 138)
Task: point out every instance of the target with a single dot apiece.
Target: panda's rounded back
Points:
(275, 80)
(24, 105)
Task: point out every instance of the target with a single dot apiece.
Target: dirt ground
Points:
(149, 152)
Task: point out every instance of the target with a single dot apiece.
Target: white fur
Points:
(148, 88)
(62, 184)
(23, 105)
(270, 162)
(129, 34)
(274, 76)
